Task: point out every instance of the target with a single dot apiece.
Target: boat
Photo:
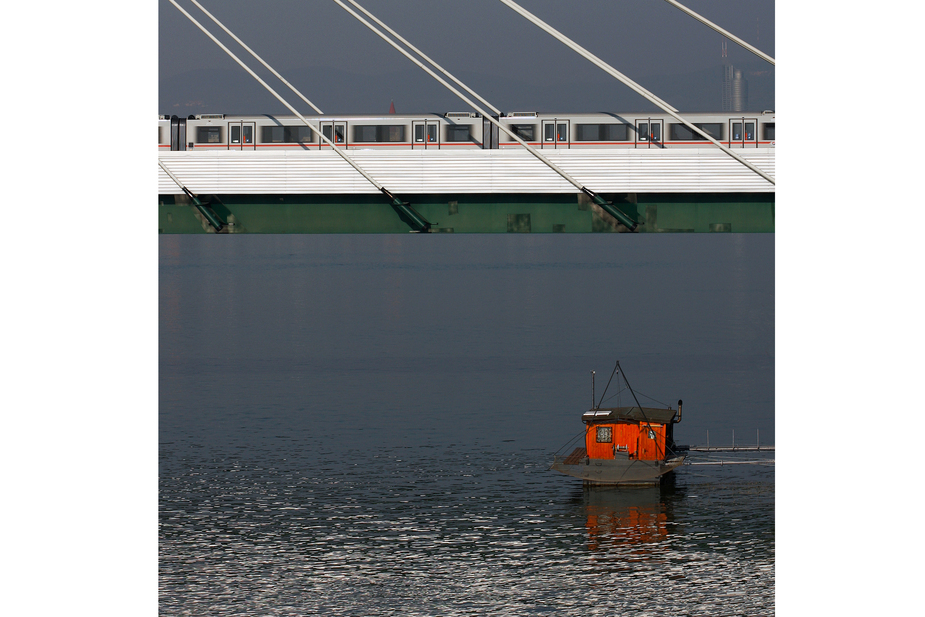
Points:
(624, 446)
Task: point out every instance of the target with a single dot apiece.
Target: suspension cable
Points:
(725, 33)
(259, 59)
(620, 216)
(633, 85)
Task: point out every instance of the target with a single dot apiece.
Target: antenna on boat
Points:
(592, 390)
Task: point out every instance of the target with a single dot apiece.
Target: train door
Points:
(555, 133)
(489, 135)
(426, 134)
(335, 131)
(743, 133)
(177, 133)
(241, 136)
(648, 133)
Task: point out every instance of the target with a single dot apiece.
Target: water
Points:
(362, 425)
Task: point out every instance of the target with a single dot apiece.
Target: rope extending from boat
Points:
(415, 220)
(633, 85)
(722, 31)
(600, 201)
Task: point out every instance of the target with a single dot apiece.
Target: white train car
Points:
(463, 131)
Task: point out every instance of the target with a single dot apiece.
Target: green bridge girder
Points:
(471, 213)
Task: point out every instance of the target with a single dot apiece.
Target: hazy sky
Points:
(505, 57)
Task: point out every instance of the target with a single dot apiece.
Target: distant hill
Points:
(232, 91)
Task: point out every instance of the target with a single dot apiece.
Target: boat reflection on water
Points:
(634, 519)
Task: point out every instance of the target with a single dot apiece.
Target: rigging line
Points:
(613, 395)
(423, 55)
(654, 399)
(620, 216)
(283, 101)
(569, 441)
(644, 417)
(612, 373)
(259, 59)
(725, 33)
(633, 85)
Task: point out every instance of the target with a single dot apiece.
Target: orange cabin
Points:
(638, 433)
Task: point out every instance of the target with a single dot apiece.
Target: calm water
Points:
(362, 425)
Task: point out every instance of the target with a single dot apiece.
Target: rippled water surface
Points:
(363, 425)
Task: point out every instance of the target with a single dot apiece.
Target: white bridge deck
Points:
(677, 170)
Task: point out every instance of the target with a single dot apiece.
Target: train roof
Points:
(470, 115)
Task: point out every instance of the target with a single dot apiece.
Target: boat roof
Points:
(632, 414)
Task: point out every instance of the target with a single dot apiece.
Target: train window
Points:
(646, 130)
(549, 132)
(272, 134)
(680, 132)
(749, 131)
(380, 132)
(768, 128)
(208, 134)
(338, 135)
(527, 132)
(561, 132)
(600, 132)
(458, 132)
(420, 131)
(285, 134)
(298, 134)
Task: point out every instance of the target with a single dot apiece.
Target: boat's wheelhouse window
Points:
(604, 434)
(286, 134)
(458, 132)
(600, 132)
(679, 132)
(208, 135)
(527, 132)
(767, 131)
(378, 132)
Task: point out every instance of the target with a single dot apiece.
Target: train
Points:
(463, 130)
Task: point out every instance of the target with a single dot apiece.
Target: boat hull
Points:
(617, 471)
